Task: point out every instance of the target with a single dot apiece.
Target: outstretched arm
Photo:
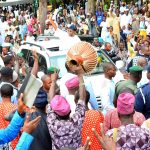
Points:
(35, 68)
(82, 91)
(54, 78)
(53, 23)
(9, 133)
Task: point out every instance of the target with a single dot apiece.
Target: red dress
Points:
(93, 119)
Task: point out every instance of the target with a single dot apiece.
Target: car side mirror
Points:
(120, 64)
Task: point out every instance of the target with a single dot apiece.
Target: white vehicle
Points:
(49, 55)
(14, 2)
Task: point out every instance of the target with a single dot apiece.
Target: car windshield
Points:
(102, 58)
(59, 62)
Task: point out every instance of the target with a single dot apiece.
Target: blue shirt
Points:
(99, 16)
(107, 95)
(142, 102)
(24, 142)
(92, 100)
(11, 132)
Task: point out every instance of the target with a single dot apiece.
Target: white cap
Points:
(6, 44)
(82, 16)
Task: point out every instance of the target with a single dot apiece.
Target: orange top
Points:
(93, 119)
(5, 108)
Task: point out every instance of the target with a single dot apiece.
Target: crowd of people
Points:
(66, 116)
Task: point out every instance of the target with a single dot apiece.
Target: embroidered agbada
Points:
(132, 137)
(112, 120)
(66, 133)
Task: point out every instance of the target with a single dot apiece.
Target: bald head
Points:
(145, 50)
(108, 66)
(142, 62)
(46, 79)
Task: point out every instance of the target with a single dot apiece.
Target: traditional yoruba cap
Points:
(72, 83)
(100, 40)
(51, 70)
(20, 54)
(73, 27)
(135, 69)
(41, 99)
(60, 105)
(6, 45)
(125, 103)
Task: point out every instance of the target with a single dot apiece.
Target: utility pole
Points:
(42, 14)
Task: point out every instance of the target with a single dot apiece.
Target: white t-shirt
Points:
(16, 12)
(104, 29)
(66, 41)
(122, 20)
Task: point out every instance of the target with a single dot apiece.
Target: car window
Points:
(59, 62)
(27, 54)
(42, 64)
(102, 58)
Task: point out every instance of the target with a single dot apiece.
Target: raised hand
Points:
(106, 141)
(78, 70)
(35, 55)
(86, 145)
(30, 126)
(55, 75)
(21, 106)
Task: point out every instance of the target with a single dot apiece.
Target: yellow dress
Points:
(116, 28)
(131, 51)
